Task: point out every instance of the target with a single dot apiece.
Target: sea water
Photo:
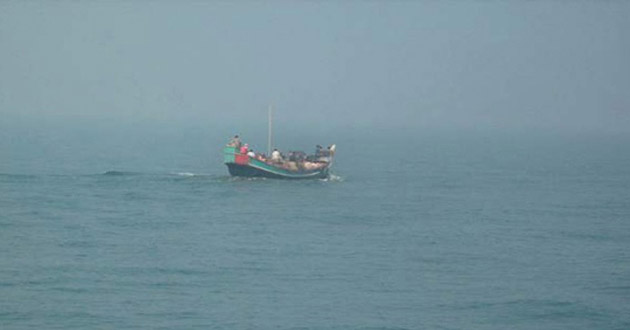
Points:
(412, 231)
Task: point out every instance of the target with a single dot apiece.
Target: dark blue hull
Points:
(252, 172)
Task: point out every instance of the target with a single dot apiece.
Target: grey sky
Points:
(543, 64)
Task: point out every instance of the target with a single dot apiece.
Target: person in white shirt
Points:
(275, 155)
(251, 153)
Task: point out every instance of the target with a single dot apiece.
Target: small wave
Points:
(197, 177)
(119, 173)
(333, 178)
(229, 178)
(22, 176)
(185, 174)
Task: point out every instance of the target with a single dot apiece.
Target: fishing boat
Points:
(240, 164)
(295, 165)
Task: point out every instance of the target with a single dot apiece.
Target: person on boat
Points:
(292, 166)
(235, 142)
(297, 156)
(251, 153)
(318, 150)
(244, 149)
(322, 153)
(275, 156)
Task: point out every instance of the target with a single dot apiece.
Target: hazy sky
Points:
(542, 64)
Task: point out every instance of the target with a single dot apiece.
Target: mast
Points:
(269, 134)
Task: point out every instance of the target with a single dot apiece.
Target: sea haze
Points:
(414, 230)
(481, 181)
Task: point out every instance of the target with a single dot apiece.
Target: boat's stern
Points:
(229, 154)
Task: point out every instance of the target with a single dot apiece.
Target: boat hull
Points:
(253, 172)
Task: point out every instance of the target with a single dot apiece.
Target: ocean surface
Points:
(146, 230)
